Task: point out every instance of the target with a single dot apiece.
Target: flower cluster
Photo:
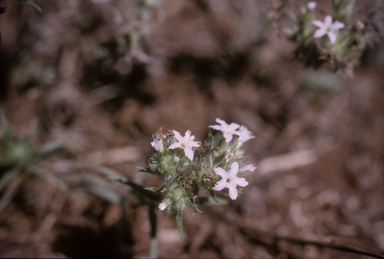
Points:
(188, 165)
(336, 43)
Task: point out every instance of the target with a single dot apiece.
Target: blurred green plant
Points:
(337, 43)
(20, 157)
(322, 81)
(23, 158)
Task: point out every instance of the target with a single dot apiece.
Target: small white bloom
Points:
(327, 27)
(185, 143)
(162, 206)
(312, 5)
(158, 145)
(228, 130)
(244, 134)
(229, 180)
(248, 168)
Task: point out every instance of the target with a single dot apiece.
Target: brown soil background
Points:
(320, 154)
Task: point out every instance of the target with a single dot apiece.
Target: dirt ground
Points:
(101, 80)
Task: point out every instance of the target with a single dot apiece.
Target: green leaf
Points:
(51, 178)
(211, 201)
(179, 223)
(155, 189)
(212, 196)
(147, 170)
(191, 205)
(216, 139)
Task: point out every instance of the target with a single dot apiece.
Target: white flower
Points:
(244, 134)
(327, 27)
(229, 180)
(248, 168)
(228, 130)
(312, 5)
(158, 145)
(185, 143)
(162, 206)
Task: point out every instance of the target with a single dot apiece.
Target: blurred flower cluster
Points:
(188, 165)
(335, 41)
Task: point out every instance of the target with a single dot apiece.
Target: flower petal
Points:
(221, 172)
(178, 135)
(336, 26)
(233, 192)
(222, 122)
(248, 168)
(240, 181)
(220, 185)
(188, 153)
(319, 33)
(332, 37)
(216, 127)
(175, 145)
(234, 169)
(187, 134)
(318, 23)
(328, 21)
(228, 137)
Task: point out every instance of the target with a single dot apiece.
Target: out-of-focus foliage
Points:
(20, 157)
(344, 54)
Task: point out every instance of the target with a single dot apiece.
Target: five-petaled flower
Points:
(229, 180)
(185, 143)
(228, 130)
(327, 27)
(244, 134)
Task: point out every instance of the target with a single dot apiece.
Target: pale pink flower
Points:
(327, 27)
(229, 180)
(228, 129)
(185, 143)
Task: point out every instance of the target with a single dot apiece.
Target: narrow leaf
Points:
(179, 223)
(110, 173)
(192, 206)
